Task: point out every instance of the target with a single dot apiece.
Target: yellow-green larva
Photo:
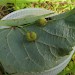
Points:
(31, 36)
(42, 21)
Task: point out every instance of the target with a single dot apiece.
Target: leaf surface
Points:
(22, 21)
(54, 42)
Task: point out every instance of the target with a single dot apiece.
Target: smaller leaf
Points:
(21, 21)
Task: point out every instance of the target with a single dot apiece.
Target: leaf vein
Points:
(30, 57)
(10, 48)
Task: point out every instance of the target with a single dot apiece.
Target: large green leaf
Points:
(54, 41)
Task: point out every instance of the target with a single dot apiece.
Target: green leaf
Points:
(64, 15)
(22, 21)
(53, 44)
